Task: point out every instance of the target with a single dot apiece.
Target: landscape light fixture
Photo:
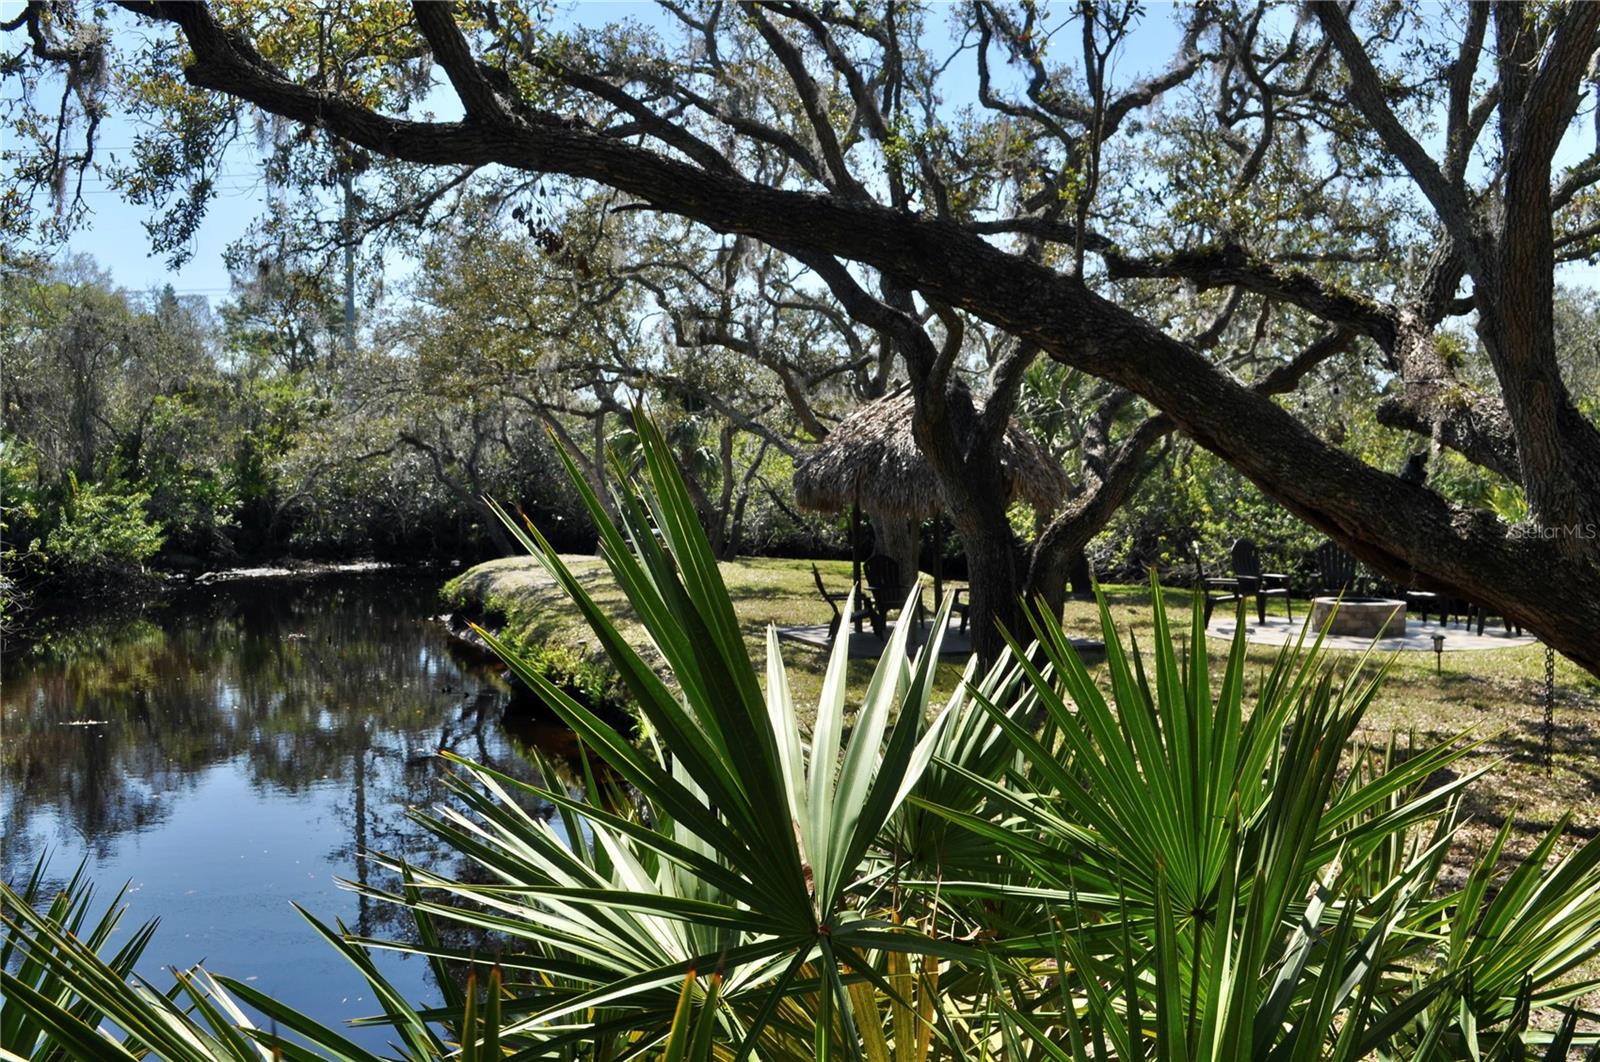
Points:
(1438, 654)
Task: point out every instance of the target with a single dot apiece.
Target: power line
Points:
(233, 193)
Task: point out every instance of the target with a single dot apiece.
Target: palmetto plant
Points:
(64, 1000)
(1164, 861)
(1216, 883)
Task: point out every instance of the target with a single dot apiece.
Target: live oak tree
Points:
(602, 308)
(1386, 174)
(744, 299)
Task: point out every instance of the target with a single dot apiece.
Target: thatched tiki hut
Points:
(872, 461)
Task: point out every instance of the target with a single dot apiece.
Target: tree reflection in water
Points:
(234, 748)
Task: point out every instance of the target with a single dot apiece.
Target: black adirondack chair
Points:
(1247, 580)
(1336, 569)
(1247, 565)
(1214, 589)
(1472, 610)
(885, 593)
(834, 598)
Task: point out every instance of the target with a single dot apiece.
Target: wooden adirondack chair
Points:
(834, 598)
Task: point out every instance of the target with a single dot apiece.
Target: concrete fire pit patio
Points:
(1459, 637)
(1359, 617)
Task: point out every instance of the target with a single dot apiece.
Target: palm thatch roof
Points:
(873, 449)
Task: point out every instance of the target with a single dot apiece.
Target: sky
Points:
(115, 235)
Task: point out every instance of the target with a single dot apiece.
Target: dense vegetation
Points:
(145, 431)
(142, 428)
(1167, 868)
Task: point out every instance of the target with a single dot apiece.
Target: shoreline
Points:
(293, 569)
(68, 606)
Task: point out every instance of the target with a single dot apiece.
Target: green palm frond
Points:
(1211, 880)
(752, 832)
(67, 1001)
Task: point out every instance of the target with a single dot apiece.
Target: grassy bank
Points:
(1497, 694)
(517, 594)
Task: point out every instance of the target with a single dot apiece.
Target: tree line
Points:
(144, 430)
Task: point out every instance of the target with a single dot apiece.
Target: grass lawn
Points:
(1496, 694)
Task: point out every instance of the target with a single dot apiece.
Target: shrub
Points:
(595, 685)
(21, 504)
(103, 531)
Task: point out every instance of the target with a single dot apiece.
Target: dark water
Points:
(231, 750)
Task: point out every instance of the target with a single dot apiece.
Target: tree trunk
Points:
(995, 577)
(899, 539)
(1079, 574)
(736, 519)
(1058, 554)
(1049, 567)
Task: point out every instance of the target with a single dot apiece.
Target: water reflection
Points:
(234, 749)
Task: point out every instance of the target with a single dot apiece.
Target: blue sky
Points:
(115, 236)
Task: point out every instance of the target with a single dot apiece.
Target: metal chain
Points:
(1549, 705)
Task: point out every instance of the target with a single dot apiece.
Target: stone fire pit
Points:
(1364, 617)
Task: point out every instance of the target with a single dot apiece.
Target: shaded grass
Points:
(1497, 694)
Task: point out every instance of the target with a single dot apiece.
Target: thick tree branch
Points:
(1459, 133)
(810, 94)
(1077, 522)
(1366, 90)
(1552, 93)
(451, 51)
(645, 120)
(1287, 377)
(1220, 266)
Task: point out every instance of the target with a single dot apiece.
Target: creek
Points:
(230, 750)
